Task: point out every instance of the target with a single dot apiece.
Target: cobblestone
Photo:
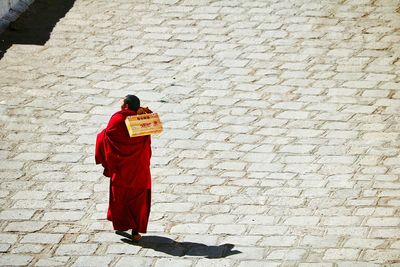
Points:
(25, 226)
(15, 260)
(280, 138)
(76, 249)
(16, 214)
(42, 238)
(93, 261)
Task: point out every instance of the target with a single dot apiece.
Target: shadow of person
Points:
(180, 249)
(33, 27)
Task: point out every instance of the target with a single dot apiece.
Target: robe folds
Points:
(126, 161)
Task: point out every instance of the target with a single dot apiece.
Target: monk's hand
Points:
(143, 110)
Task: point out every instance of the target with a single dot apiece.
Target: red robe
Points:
(126, 161)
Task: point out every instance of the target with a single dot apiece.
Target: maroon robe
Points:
(126, 161)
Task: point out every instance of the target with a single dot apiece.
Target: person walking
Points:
(126, 161)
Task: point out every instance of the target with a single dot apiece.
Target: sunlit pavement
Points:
(281, 141)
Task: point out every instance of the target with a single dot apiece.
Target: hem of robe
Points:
(129, 208)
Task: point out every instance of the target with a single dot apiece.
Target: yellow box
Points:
(144, 124)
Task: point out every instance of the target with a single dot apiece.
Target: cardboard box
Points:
(144, 124)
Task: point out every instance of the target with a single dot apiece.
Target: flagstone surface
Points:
(281, 141)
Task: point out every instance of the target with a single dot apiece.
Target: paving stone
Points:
(66, 157)
(277, 241)
(231, 166)
(8, 238)
(11, 165)
(62, 186)
(30, 195)
(135, 261)
(242, 240)
(316, 264)
(76, 205)
(34, 204)
(173, 262)
(53, 261)
(342, 220)
(74, 195)
(248, 253)
(382, 222)
(4, 247)
(356, 263)
(16, 214)
(93, 261)
(287, 254)
(383, 233)
(122, 249)
(257, 219)
(363, 243)
(25, 226)
(49, 175)
(82, 238)
(302, 220)
(31, 156)
(62, 215)
(214, 262)
(42, 238)
(76, 249)
(15, 260)
(320, 241)
(209, 240)
(341, 254)
(190, 228)
(28, 249)
(172, 207)
(106, 237)
(254, 263)
(229, 229)
(179, 179)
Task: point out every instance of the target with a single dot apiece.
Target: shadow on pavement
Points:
(180, 249)
(34, 26)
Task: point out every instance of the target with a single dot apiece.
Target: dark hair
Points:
(132, 101)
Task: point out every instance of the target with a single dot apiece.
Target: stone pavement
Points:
(281, 139)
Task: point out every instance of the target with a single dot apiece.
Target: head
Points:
(131, 102)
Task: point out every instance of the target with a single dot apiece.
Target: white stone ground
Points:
(281, 133)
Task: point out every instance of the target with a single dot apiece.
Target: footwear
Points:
(136, 236)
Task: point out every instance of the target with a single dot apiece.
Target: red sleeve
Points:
(104, 142)
(100, 155)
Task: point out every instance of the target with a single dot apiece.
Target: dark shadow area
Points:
(35, 24)
(180, 249)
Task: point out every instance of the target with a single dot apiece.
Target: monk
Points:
(126, 160)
